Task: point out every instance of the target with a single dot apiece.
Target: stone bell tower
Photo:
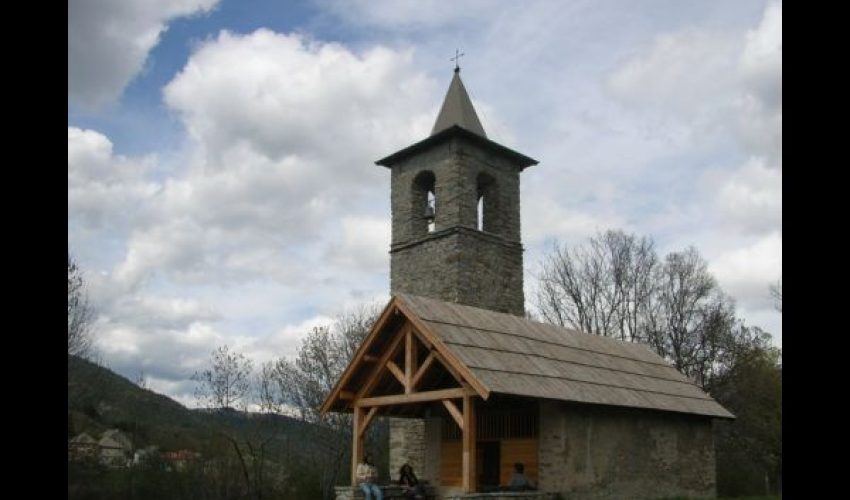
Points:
(455, 232)
(455, 213)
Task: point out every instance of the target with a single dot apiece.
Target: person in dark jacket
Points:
(410, 483)
(519, 481)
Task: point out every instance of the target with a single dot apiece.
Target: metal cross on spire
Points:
(458, 55)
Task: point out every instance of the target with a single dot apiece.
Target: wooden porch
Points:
(402, 370)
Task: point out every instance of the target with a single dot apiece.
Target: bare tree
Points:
(615, 285)
(141, 380)
(693, 318)
(80, 313)
(600, 287)
(303, 384)
(776, 293)
(226, 382)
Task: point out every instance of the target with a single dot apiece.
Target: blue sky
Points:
(221, 185)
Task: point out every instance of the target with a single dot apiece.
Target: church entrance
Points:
(489, 459)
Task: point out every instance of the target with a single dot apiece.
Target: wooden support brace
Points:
(346, 395)
(454, 412)
(409, 361)
(376, 372)
(395, 370)
(368, 420)
(422, 369)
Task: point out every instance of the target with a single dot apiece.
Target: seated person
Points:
(367, 477)
(410, 483)
(519, 481)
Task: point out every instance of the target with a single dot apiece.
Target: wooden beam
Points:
(382, 363)
(459, 368)
(388, 312)
(346, 395)
(422, 369)
(409, 361)
(395, 370)
(416, 397)
(423, 339)
(454, 412)
(368, 358)
(357, 444)
(469, 453)
(368, 420)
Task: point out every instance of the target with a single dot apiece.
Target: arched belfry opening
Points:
(423, 203)
(488, 203)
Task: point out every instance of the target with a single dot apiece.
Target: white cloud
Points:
(276, 172)
(286, 95)
(747, 272)
(278, 200)
(105, 189)
(751, 197)
(363, 242)
(109, 41)
(685, 73)
(760, 66)
(713, 79)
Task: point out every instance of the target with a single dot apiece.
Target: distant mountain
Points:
(99, 399)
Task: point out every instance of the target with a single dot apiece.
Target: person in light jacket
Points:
(366, 477)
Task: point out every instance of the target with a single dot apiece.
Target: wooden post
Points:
(410, 367)
(357, 444)
(469, 470)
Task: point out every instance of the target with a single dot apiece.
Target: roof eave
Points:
(457, 131)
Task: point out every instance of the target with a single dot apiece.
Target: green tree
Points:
(749, 449)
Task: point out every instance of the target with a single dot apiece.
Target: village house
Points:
(178, 460)
(82, 447)
(115, 448)
(471, 386)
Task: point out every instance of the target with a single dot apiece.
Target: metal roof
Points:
(457, 110)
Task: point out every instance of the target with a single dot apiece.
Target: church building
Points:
(471, 386)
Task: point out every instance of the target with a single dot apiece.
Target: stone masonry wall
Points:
(433, 434)
(463, 266)
(407, 444)
(594, 453)
(456, 165)
(457, 262)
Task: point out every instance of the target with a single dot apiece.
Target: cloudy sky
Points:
(221, 177)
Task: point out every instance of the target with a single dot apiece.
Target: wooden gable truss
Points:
(399, 366)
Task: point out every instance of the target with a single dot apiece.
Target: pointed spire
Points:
(457, 109)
